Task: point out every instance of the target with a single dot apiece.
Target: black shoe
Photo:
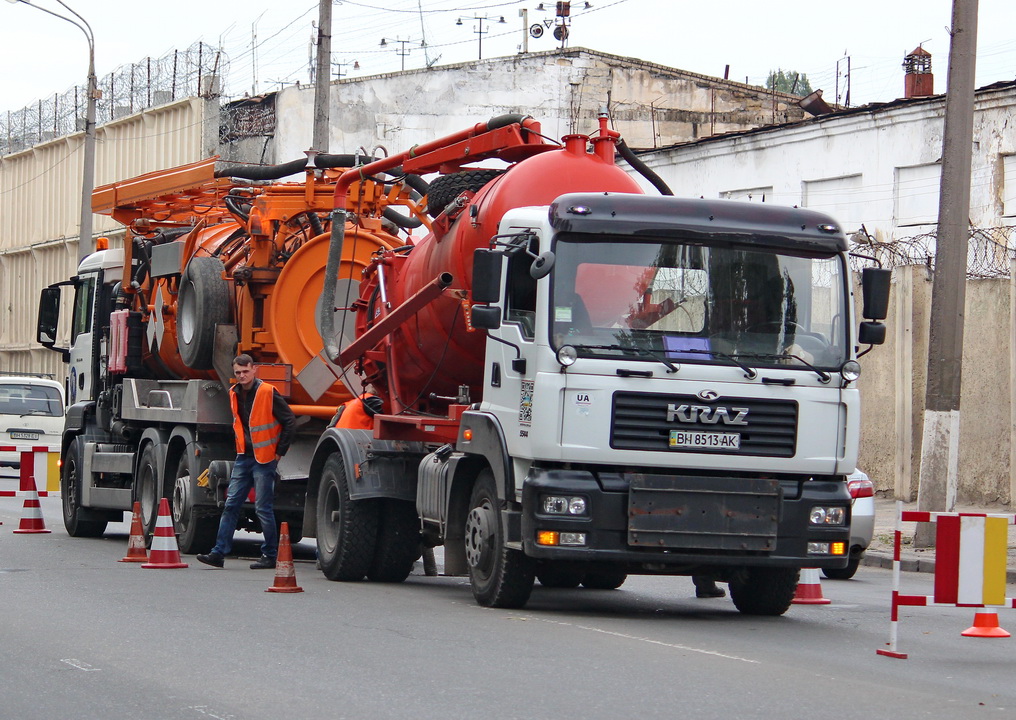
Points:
(213, 559)
(262, 563)
(713, 592)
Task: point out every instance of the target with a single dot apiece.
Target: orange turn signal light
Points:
(547, 537)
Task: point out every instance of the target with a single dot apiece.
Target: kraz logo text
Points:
(706, 414)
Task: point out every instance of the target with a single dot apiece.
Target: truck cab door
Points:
(82, 356)
(511, 357)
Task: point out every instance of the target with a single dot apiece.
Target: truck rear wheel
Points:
(70, 494)
(398, 542)
(500, 577)
(764, 590)
(347, 529)
(195, 529)
(149, 486)
(203, 303)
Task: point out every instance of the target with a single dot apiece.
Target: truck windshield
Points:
(694, 303)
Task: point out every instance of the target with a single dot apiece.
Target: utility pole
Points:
(940, 443)
(322, 84)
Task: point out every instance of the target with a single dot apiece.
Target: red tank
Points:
(435, 352)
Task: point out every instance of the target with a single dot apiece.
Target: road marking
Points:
(79, 664)
(650, 641)
(209, 712)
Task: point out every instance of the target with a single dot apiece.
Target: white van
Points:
(31, 414)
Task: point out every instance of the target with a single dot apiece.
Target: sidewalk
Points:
(880, 552)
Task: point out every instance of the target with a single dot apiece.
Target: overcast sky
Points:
(268, 42)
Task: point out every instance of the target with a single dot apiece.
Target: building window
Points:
(841, 197)
(915, 194)
(1009, 185)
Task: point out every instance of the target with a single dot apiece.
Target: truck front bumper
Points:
(660, 523)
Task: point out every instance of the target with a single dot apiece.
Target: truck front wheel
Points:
(70, 494)
(500, 577)
(763, 590)
(347, 529)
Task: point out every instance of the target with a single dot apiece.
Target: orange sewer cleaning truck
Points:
(571, 380)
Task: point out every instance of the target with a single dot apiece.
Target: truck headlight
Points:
(564, 505)
(834, 515)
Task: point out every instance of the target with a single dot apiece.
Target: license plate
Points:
(682, 439)
(19, 435)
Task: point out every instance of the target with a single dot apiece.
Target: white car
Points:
(862, 523)
(31, 414)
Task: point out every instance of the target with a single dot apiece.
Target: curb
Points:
(875, 558)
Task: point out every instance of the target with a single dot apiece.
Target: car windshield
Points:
(698, 303)
(28, 399)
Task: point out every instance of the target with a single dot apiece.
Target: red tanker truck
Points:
(577, 381)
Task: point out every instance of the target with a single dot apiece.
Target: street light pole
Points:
(85, 243)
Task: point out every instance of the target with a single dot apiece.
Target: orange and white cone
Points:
(986, 626)
(285, 573)
(809, 589)
(165, 552)
(31, 514)
(136, 550)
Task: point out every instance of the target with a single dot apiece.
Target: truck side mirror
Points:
(486, 276)
(875, 284)
(49, 318)
(485, 316)
(871, 333)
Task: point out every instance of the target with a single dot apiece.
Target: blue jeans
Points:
(248, 472)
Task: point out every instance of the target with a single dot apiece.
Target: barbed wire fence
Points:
(196, 71)
(989, 251)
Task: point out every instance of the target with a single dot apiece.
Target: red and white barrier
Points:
(40, 468)
(970, 565)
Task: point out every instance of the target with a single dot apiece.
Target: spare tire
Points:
(202, 304)
(448, 187)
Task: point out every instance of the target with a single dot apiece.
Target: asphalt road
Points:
(84, 636)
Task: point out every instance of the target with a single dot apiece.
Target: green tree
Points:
(789, 81)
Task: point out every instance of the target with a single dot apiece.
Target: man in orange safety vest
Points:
(263, 426)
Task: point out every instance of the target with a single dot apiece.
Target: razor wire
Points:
(989, 251)
(194, 72)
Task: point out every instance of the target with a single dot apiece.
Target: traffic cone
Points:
(985, 626)
(165, 553)
(31, 514)
(136, 551)
(285, 573)
(809, 589)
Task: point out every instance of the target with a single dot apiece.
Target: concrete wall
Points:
(650, 105)
(893, 384)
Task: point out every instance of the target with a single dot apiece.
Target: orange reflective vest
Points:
(354, 416)
(265, 430)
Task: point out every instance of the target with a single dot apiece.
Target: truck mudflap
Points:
(667, 523)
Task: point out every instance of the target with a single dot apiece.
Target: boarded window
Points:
(916, 194)
(840, 197)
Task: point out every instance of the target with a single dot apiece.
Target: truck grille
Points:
(640, 422)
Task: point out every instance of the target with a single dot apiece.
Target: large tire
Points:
(150, 488)
(202, 304)
(399, 543)
(604, 579)
(560, 576)
(843, 573)
(70, 494)
(345, 545)
(764, 591)
(196, 528)
(448, 187)
(500, 577)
